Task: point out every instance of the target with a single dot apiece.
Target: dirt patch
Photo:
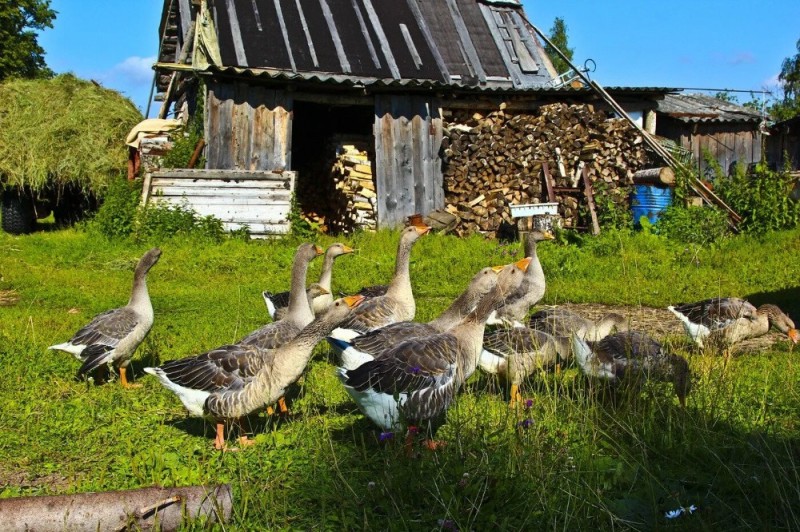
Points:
(22, 480)
(8, 298)
(661, 324)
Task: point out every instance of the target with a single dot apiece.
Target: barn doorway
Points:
(332, 152)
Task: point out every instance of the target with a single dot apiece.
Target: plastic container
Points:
(533, 209)
(649, 201)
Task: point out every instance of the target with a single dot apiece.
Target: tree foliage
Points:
(558, 36)
(789, 78)
(20, 53)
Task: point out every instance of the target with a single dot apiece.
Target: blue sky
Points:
(700, 43)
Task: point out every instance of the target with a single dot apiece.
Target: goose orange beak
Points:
(354, 301)
(347, 249)
(322, 291)
(794, 335)
(422, 229)
(524, 263)
(318, 249)
(548, 235)
(498, 269)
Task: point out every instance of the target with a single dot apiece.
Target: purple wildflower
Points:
(525, 423)
(528, 403)
(386, 436)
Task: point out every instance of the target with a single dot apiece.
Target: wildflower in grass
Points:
(385, 436)
(447, 524)
(413, 429)
(528, 403)
(370, 485)
(525, 423)
(672, 514)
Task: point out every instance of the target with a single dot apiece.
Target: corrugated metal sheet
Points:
(699, 108)
(450, 42)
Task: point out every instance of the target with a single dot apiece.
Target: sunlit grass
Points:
(577, 456)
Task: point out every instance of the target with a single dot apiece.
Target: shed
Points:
(783, 144)
(729, 132)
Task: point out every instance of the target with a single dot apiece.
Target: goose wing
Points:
(717, 312)
(385, 338)
(272, 335)
(372, 314)
(557, 321)
(108, 328)
(228, 367)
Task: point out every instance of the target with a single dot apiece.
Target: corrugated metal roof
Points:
(449, 42)
(700, 108)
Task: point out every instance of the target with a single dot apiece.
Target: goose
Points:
(559, 321)
(632, 355)
(515, 353)
(277, 304)
(299, 315)
(314, 290)
(702, 317)
(398, 302)
(530, 292)
(415, 381)
(113, 336)
(767, 316)
(234, 380)
(362, 348)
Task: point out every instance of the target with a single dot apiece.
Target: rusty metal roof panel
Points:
(700, 108)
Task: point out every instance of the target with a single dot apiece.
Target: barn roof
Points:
(483, 44)
(699, 108)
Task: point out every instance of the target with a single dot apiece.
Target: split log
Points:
(655, 176)
(139, 509)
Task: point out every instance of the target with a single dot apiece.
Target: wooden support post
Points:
(548, 182)
(198, 149)
(587, 183)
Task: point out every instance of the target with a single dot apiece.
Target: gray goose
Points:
(515, 353)
(559, 321)
(416, 381)
(362, 348)
(278, 304)
(700, 318)
(767, 316)
(277, 333)
(398, 302)
(113, 336)
(516, 306)
(226, 390)
(632, 355)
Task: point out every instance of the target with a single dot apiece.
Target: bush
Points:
(761, 197)
(116, 217)
(162, 221)
(693, 225)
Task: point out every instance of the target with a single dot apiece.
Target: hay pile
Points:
(60, 131)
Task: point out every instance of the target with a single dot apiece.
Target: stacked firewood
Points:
(352, 175)
(496, 160)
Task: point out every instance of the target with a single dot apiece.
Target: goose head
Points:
(537, 235)
(778, 319)
(337, 249)
(510, 277)
(147, 261)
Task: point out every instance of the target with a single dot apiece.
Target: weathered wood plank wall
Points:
(248, 127)
(408, 169)
(261, 200)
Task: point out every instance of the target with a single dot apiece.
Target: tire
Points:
(18, 216)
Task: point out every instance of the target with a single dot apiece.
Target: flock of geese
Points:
(401, 373)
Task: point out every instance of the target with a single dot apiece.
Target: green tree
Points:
(20, 53)
(789, 105)
(558, 36)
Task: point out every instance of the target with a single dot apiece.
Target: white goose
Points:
(398, 302)
(235, 380)
(113, 336)
(416, 381)
(299, 314)
(278, 304)
(362, 348)
(516, 306)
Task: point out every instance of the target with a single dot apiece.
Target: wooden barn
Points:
(355, 103)
(783, 144)
(730, 133)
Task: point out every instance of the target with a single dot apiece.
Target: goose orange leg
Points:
(281, 407)
(123, 378)
(516, 396)
(219, 441)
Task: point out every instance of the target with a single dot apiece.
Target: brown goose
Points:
(299, 315)
(234, 396)
(113, 336)
(516, 352)
(362, 348)
(559, 321)
(278, 304)
(702, 317)
(516, 306)
(767, 316)
(632, 355)
(415, 381)
(234, 380)
(398, 302)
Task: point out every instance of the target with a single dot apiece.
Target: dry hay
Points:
(8, 298)
(62, 131)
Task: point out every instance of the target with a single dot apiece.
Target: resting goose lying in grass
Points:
(398, 302)
(299, 315)
(113, 336)
(559, 321)
(362, 348)
(278, 304)
(513, 310)
(415, 381)
(631, 355)
(727, 320)
(232, 381)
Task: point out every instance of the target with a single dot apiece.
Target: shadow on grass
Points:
(787, 299)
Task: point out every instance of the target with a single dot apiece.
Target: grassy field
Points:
(568, 461)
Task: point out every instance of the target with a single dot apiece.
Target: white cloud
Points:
(134, 70)
(742, 58)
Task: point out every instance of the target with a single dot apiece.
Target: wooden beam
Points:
(548, 182)
(587, 183)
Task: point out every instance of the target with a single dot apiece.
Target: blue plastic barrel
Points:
(649, 201)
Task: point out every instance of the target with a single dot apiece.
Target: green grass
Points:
(582, 462)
